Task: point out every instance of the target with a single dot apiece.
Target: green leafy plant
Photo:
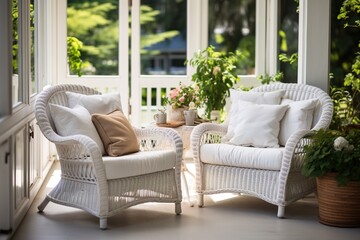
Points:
(346, 106)
(215, 76)
(346, 99)
(293, 59)
(74, 46)
(349, 11)
(337, 150)
(333, 151)
(267, 78)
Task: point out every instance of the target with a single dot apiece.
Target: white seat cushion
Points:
(139, 163)
(239, 156)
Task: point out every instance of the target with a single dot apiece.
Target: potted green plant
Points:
(215, 76)
(333, 157)
(335, 152)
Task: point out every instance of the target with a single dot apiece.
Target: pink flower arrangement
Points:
(183, 96)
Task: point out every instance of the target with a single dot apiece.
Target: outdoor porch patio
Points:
(225, 216)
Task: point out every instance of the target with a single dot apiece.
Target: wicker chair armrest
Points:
(293, 157)
(206, 133)
(80, 152)
(156, 138)
(91, 147)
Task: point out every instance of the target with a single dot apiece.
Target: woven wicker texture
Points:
(83, 181)
(277, 187)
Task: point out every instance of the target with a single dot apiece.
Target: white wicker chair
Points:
(83, 181)
(276, 187)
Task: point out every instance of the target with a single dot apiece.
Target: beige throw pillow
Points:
(116, 133)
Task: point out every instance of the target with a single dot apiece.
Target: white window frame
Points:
(5, 59)
(197, 38)
(104, 83)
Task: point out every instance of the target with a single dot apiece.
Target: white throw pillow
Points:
(102, 104)
(273, 98)
(72, 121)
(236, 96)
(256, 125)
(299, 116)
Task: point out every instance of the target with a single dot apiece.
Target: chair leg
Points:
(43, 204)
(200, 200)
(103, 223)
(178, 208)
(281, 211)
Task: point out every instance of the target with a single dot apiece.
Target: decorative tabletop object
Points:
(190, 115)
(179, 100)
(160, 116)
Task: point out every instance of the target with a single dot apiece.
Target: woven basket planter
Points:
(339, 206)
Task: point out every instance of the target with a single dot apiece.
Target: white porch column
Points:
(314, 43)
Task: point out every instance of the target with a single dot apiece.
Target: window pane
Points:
(344, 45)
(163, 37)
(96, 26)
(33, 85)
(288, 38)
(232, 27)
(16, 87)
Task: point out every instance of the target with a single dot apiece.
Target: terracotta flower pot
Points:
(339, 206)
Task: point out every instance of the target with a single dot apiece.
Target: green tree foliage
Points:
(236, 21)
(15, 36)
(349, 11)
(344, 41)
(267, 78)
(95, 24)
(148, 20)
(344, 38)
(346, 98)
(293, 59)
(288, 36)
(162, 20)
(74, 55)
